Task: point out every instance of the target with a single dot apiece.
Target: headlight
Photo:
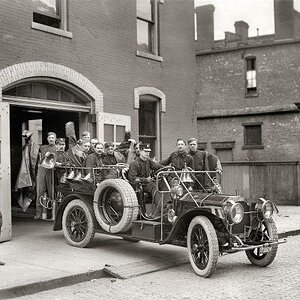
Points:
(234, 211)
(267, 209)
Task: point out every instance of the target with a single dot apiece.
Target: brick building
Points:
(106, 65)
(248, 88)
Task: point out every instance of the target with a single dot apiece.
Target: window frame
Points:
(114, 120)
(157, 136)
(250, 92)
(63, 17)
(252, 146)
(154, 53)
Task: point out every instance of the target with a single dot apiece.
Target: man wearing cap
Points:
(140, 172)
(204, 161)
(179, 159)
(44, 176)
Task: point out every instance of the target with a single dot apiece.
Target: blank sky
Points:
(257, 13)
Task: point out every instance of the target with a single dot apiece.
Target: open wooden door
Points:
(5, 192)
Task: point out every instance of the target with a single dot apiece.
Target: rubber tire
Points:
(90, 222)
(130, 204)
(212, 242)
(270, 256)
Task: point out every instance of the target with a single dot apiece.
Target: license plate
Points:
(266, 249)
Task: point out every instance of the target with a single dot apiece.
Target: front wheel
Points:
(78, 224)
(203, 248)
(266, 232)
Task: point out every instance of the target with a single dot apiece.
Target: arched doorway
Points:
(42, 97)
(56, 104)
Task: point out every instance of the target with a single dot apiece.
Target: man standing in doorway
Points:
(44, 175)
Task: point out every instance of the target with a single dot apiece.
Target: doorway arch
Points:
(26, 72)
(21, 71)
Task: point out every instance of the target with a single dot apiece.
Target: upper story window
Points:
(251, 86)
(147, 26)
(47, 12)
(51, 16)
(252, 135)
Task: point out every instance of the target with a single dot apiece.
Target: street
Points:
(235, 278)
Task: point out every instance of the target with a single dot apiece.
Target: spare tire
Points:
(115, 205)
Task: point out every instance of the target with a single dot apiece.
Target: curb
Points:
(36, 287)
(289, 233)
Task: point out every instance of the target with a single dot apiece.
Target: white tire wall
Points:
(129, 201)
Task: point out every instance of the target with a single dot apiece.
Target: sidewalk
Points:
(38, 258)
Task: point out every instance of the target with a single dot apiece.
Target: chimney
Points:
(241, 29)
(205, 27)
(284, 19)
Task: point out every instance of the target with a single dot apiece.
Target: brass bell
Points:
(185, 177)
(87, 177)
(63, 178)
(78, 176)
(49, 161)
(71, 175)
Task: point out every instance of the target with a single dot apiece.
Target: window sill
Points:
(149, 55)
(249, 147)
(52, 30)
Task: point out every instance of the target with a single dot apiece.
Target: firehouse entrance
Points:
(39, 122)
(38, 105)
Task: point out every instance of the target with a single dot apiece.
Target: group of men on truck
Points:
(90, 154)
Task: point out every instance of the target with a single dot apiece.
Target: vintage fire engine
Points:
(203, 219)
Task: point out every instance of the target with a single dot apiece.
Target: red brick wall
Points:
(280, 136)
(221, 87)
(103, 50)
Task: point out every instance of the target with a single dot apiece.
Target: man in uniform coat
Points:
(44, 176)
(204, 161)
(140, 171)
(179, 159)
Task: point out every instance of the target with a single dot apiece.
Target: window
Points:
(251, 86)
(112, 127)
(148, 124)
(147, 26)
(114, 133)
(50, 16)
(46, 91)
(252, 135)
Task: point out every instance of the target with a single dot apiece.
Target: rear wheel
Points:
(203, 248)
(267, 232)
(78, 224)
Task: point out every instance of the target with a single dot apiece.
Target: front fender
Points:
(181, 225)
(65, 201)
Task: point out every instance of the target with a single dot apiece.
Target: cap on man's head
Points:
(192, 139)
(61, 141)
(109, 144)
(145, 147)
(51, 133)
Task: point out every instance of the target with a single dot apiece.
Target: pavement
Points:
(38, 259)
